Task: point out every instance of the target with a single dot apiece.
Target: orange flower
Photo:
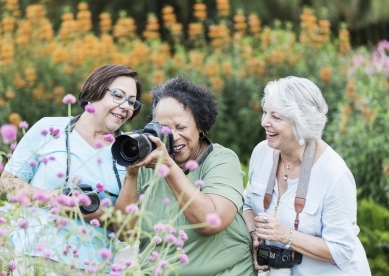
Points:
(2, 102)
(158, 77)
(325, 74)
(10, 94)
(14, 118)
(31, 75)
(200, 11)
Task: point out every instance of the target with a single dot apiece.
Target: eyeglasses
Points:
(120, 97)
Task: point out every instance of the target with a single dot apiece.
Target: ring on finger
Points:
(263, 225)
(265, 219)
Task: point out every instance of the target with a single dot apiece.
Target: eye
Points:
(118, 95)
(131, 102)
(276, 118)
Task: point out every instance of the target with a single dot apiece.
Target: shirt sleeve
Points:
(339, 219)
(224, 177)
(25, 158)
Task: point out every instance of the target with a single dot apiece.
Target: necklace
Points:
(286, 167)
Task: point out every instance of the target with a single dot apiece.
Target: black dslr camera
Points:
(276, 257)
(130, 148)
(93, 196)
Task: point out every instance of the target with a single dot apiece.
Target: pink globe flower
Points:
(23, 223)
(69, 99)
(109, 138)
(199, 183)
(90, 108)
(166, 130)
(191, 165)
(106, 202)
(23, 125)
(213, 220)
(95, 222)
(8, 133)
(183, 258)
(100, 187)
(162, 170)
(105, 253)
(132, 209)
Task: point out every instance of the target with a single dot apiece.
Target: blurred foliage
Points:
(373, 220)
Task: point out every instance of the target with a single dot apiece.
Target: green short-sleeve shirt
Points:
(226, 253)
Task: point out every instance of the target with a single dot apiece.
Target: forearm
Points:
(249, 216)
(313, 247)
(196, 205)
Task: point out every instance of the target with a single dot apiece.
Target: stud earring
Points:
(301, 141)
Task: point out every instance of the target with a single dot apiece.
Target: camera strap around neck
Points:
(69, 128)
(299, 201)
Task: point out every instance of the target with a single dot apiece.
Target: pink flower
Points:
(13, 145)
(32, 163)
(182, 235)
(112, 235)
(54, 132)
(60, 174)
(179, 242)
(86, 262)
(116, 267)
(128, 263)
(45, 160)
(84, 200)
(213, 220)
(8, 133)
(132, 209)
(163, 264)
(170, 238)
(2, 220)
(166, 201)
(141, 197)
(3, 232)
(162, 170)
(23, 124)
(105, 253)
(106, 202)
(69, 99)
(156, 239)
(83, 230)
(95, 222)
(166, 130)
(157, 270)
(3, 273)
(44, 132)
(109, 138)
(23, 223)
(100, 187)
(99, 144)
(199, 183)
(183, 258)
(12, 265)
(159, 227)
(21, 198)
(90, 108)
(41, 196)
(191, 165)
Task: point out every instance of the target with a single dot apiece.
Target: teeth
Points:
(117, 115)
(271, 133)
(178, 147)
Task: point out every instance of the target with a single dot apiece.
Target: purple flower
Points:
(199, 183)
(109, 138)
(213, 220)
(191, 165)
(86, 262)
(117, 267)
(128, 263)
(162, 170)
(45, 160)
(183, 258)
(159, 227)
(32, 163)
(60, 174)
(112, 235)
(182, 235)
(69, 99)
(163, 264)
(54, 132)
(23, 124)
(141, 197)
(41, 196)
(166, 201)
(156, 239)
(84, 200)
(90, 108)
(170, 238)
(157, 270)
(3, 273)
(83, 230)
(106, 202)
(132, 209)
(99, 144)
(23, 223)
(105, 253)
(12, 265)
(2, 220)
(8, 133)
(166, 130)
(179, 242)
(51, 158)
(13, 145)
(21, 198)
(95, 222)
(44, 132)
(100, 187)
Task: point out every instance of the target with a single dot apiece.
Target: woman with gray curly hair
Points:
(202, 180)
(300, 201)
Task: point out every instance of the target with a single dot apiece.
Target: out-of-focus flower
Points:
(109, 138)
(69, 99)
(100, 187)
(23, 223)
(162, 170)
(199, 183)
(95, 222)
(191, 165)
(8, 133)
(183, 258)
(166, 130)
(105, 253)
(213, 220)
(23, 124)
(90, 108)
(106, 202)
(132, 209)
(166, 201)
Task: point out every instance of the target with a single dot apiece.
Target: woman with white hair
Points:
(300, 201)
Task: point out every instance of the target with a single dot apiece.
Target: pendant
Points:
(285, 177)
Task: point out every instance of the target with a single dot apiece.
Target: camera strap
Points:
(69, 128)
(301, 193)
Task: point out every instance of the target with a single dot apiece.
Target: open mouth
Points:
(271, 134)
(178, 149)
(121, 117)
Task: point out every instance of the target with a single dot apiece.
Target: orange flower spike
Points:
(31, 75)
(200, 11)
(325, 74)
(14, 118)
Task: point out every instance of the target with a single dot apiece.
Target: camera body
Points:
(277, 257)
(93, 196)
(130, 148)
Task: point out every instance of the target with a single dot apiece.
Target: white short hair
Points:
(301, 102)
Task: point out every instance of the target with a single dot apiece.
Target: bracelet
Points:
(290, 238)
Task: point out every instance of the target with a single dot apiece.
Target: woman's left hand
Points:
(269, 228)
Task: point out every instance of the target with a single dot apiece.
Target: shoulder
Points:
(260, 150)
(220, 152)
(55, 122)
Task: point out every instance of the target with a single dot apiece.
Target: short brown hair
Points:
(95, 86)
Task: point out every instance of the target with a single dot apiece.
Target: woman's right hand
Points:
(256, 243)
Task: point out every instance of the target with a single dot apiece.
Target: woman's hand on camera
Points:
(256, 242)
(269, 228)
(150, 161)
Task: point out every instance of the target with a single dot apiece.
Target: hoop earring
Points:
(301, 141)
(201, 135)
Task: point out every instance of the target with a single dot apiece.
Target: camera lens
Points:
(95, 203)
(129, 150)
(285, 258)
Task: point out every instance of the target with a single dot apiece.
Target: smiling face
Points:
(111, 115)
(279, 131)
(169, 112)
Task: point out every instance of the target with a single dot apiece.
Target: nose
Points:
(125, 105)
(176, 136)
(265, 121)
